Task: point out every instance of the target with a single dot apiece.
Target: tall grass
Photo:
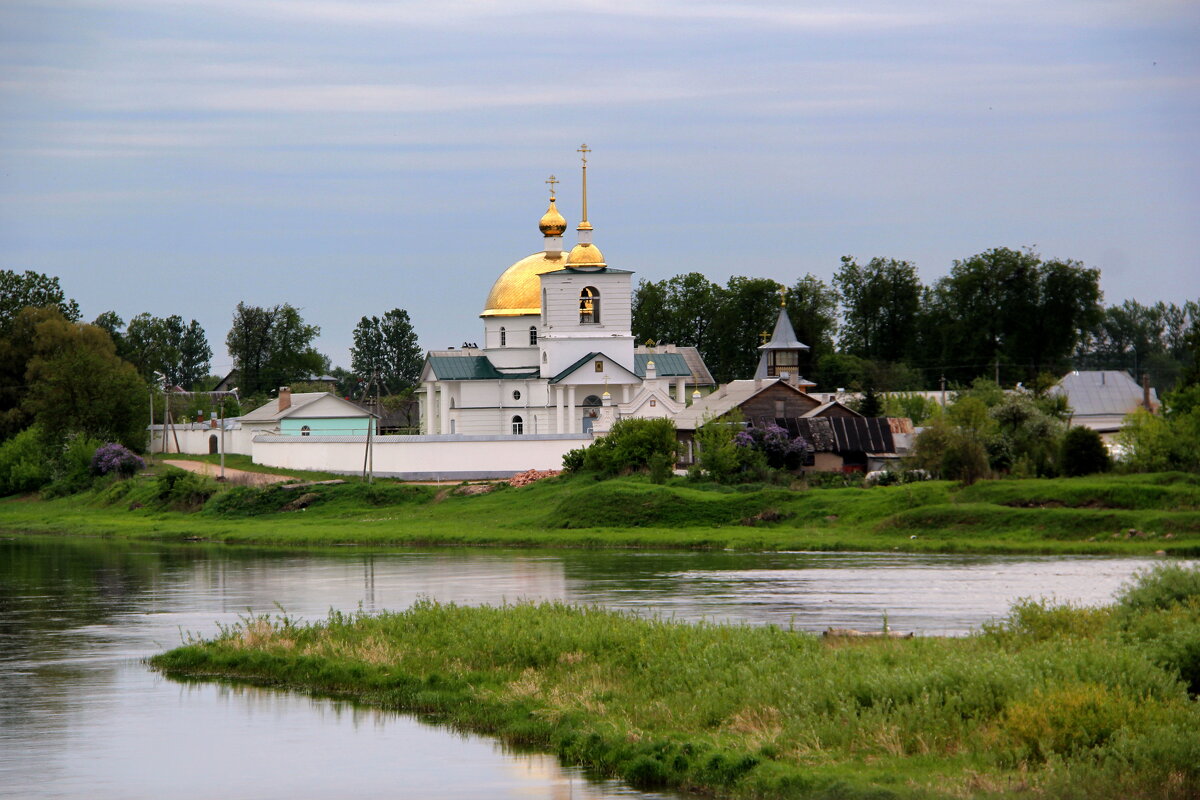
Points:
(1052, 702)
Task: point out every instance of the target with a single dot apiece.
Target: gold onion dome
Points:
(517, 292)
(585, 254)
(552, 223)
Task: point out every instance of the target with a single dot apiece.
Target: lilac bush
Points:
(773, 442)
(113, 457)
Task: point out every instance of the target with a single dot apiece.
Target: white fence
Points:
(452, 458)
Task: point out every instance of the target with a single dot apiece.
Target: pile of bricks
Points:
(530, 475)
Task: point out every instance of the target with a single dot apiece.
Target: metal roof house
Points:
(309, 414)
(1100, 399)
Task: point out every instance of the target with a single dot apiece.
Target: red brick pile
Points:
(530, 475)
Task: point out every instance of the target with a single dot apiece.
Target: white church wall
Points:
(419, 457)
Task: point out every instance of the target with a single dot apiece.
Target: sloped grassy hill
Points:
(1106, 514)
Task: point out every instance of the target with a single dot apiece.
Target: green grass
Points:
(1107, 515)
(1055, 702)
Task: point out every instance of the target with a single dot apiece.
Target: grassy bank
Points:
(1127, 515)
(1055, 702)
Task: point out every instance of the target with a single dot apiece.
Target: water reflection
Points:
(81, 716)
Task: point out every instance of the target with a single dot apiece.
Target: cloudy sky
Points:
(352, 156)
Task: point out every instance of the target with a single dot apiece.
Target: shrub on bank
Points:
(23, 463)
(116, 459)
(180, 490)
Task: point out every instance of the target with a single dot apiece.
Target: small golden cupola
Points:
(585, 255)
(552, 222)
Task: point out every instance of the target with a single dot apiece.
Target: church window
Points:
(544, 312)
(503, 337)
(589, 306)
(545, 357)
(599, 366)
(516, 394)
(590, 401)
(653, 403)
(452, 402)
(518, 426)
(305, 430)
(532, 335)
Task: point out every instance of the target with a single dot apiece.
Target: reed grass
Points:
(1052, 702)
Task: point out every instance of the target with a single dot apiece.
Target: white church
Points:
(558, 355)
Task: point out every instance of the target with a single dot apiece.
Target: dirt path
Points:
(240, 475)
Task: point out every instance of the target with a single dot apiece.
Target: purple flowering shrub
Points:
(773, 442)
(113, 457)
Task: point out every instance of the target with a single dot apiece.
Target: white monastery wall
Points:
(419, 457)
(193, 438)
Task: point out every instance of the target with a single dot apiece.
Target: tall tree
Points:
(166, 346)
(78, 384)
(881, 303)
(746, 314)
(1009, 308)
(272, 347)
(21, 290)
(195, 356)
(387, 347)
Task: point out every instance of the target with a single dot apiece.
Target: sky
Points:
(353, 156)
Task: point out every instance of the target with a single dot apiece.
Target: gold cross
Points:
(763, 337)
(583, 148)
(782, 295)
(552, 182)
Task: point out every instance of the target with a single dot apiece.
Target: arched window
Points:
(589, 305)
(518, 426)
(533, 335)
(503, 337)
(305, 430)
(452, 402)
(545, 357)
(591, 401)
(212, 444)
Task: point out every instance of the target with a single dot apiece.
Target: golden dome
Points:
(585, 255)
(517, 291)
(552, 223)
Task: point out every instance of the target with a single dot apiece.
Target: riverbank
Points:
(1055, 701)
(1115, 515)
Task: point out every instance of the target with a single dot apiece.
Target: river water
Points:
(81, 716)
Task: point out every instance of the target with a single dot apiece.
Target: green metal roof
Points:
(464, 368)
(666, 365)
(574, 367)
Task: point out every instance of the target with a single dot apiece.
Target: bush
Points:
(780, 451)
(114, 458)
(1083, 453)
(573, 460)
(630, 445)
(23, 463)
(181, 490)
(71, 466)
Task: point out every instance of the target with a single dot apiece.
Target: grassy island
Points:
(1053, 702)
(1111, 514)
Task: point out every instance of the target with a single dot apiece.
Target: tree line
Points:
(1009, 315)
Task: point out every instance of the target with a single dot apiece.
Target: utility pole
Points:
(943, 391)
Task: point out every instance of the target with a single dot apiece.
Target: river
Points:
(81, 716)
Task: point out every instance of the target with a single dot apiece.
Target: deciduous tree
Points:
(272, 347)
(387, 347)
